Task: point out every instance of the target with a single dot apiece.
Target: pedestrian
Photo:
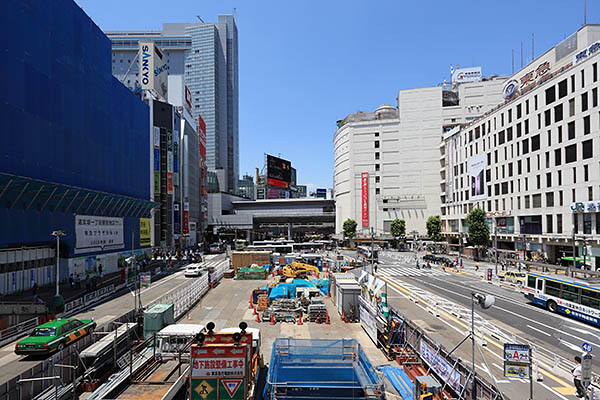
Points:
(476, 267)
(78, 281)
(576, 371)
(71, 281)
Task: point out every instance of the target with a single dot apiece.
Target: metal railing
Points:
(13, 332)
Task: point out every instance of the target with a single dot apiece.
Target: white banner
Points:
(477, 166)
(94, 233)
(154, 69)
(156, 137)
(367, 321)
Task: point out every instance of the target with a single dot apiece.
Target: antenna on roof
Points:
(201, 20)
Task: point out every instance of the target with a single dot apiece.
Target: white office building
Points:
(387, 163)
(532, 163)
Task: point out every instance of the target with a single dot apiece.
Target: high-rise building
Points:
(246, 187)
(531, 163)
(387, 162)
(206, 54)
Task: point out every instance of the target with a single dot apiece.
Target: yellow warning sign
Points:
(204, 389)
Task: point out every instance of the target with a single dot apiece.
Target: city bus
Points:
(564, 295)
(365, 252)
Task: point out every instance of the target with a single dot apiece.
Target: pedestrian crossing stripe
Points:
(407, 271)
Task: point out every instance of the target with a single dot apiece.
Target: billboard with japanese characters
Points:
(93, 233)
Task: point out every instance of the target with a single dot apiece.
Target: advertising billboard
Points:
(279, 172)
(202, 137)
(94, 233)
(321, 193)
(144, 231)
(364, 183)
(477, 166)
(186, 218)
(462, 75)
(154, 69)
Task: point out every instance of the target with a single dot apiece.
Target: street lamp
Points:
(57, 234)
(485, 301)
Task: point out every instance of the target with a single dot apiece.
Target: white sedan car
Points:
(193, 270)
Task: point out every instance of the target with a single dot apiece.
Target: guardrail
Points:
(186, 297)
(13, 332)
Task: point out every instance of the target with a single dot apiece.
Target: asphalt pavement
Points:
(556, 339)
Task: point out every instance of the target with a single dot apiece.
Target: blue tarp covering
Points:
(399, 380)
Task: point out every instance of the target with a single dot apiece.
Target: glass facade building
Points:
(206, 54)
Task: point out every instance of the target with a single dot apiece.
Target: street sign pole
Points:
(530, 376)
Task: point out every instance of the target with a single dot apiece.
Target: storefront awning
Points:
(18, 192)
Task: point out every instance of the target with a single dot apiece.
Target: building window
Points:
(587, 224)
(550, 199)
(377, 144)
(559, 178)
(571, 107)
(572, 83)
(571, 130)
(586, 173)
(570, 153)
(377, 178)
(573, 195)
(377, 190)
(559, 223)
(582, 78)
(519, 167)
(535, 103)
(549, 223)
(594, 97)
(377, 155)
(550, 95)
(524, 146)
(376, 134)
(558, 113)
(548, 179)
(559, 130)
(547, 117)
(586, 125)
(547, 159)
(584, 101)
(528, 164)
(526, 201)
(519, 130)
(590, 193)
(535, 142)
(587, 149)
(526, 125)
(376, 167)
(574, 174)
(562, 89)
(595, 72)
(597, 222)
(560, 198)
(538, 180)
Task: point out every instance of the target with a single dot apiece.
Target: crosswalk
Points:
(409, 271)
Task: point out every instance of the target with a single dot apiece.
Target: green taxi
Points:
(54, 336)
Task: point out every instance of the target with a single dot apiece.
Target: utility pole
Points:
(372, 253)
(58, 234)
(496, 246)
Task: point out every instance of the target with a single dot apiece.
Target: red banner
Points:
(186, 218)
(276, 182)
(169, 182)
(364, 180)
(202, 137)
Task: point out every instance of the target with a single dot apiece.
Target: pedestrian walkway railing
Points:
(13, 332)
(186, 297)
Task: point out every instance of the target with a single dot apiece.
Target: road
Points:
(12, 365)
(512, 319)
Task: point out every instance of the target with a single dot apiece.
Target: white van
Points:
(173, 338)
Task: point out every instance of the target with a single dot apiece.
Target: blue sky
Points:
(305, 64)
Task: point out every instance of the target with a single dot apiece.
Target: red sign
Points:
(202, 137)
(186, 218)
(276, 182)
(364, 180)
(170, 183)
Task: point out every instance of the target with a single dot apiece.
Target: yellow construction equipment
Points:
(298, 270)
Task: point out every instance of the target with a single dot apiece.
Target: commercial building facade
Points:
(77, 163)
(532, 162)
(206, 55)
(387, 162)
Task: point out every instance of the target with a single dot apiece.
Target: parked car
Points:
(54, 336)
(193, 270)
(215, 248)
(513, 277)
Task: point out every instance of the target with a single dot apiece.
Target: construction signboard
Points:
(218, 371)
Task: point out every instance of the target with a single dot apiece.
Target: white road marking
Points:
(558, 395)
(538, 330)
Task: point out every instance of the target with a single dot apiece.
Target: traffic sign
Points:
(586, 347)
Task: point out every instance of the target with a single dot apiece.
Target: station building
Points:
(532, 163)
(387, 162)
(74, 154)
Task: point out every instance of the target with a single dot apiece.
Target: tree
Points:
(434, 228)
(398, 227)
(479, 231)
(349, 228)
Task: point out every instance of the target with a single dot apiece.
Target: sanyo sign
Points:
(153, 69)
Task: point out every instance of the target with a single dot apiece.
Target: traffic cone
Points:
(250, 302)
(257, 318)
(300, 319)
(272, 320)
(255, 313)
(327, 315)
(343, 316)
(328, 295)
